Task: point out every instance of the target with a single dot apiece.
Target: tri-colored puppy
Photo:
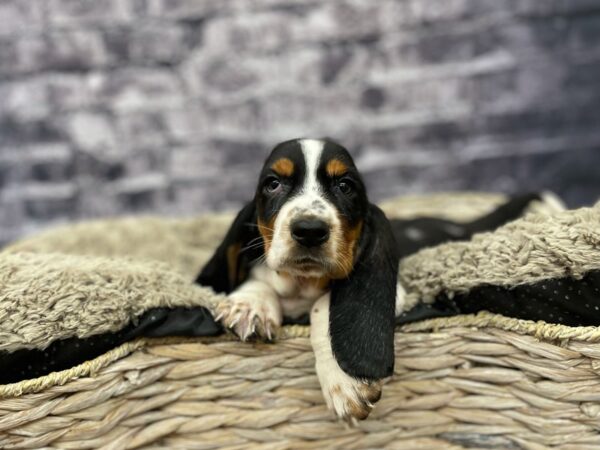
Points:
(311, 242)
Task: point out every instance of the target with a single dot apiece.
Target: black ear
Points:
(361, 316)
(230, 264)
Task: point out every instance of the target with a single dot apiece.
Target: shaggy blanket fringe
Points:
(92, 278)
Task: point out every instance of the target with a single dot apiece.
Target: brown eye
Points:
(346, 187)
(272, 186)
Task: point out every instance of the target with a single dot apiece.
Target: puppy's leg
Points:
(349, 398)
(253, 308)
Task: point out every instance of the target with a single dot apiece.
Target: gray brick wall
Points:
(110, 107)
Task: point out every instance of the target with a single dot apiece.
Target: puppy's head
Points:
(311, 204)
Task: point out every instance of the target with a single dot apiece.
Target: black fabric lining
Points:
(67, 353)
(440, 308)
(564, 301)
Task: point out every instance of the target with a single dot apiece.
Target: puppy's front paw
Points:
(250, 316)
(350, 399)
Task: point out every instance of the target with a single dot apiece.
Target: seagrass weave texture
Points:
(453, 388)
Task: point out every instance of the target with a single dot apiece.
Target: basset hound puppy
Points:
(311, 243)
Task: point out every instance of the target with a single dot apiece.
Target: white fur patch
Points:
(296, 307)
(312, 150)
(283, 286)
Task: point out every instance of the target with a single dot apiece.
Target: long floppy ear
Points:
(361, 315)
(230, 264)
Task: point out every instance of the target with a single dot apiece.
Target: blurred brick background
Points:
(110, 107)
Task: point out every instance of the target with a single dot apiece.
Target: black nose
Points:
(310, 232)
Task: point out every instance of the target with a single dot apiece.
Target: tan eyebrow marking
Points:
(283, 167)
(335, 168)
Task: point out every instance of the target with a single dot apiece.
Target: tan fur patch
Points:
(283, 167)
(233, 252)
(359, 411)
(320, 283)
(347, 249)
(266, 231)
(242, 274)
(336, 168)
(372, 392)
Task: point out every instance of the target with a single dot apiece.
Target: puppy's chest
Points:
(299, 299)
(296, 295)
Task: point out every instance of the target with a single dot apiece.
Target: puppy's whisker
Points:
(260, 260)
(245, 249)
(343, 267)
(257, 226)
(254, 242)
(255, 239)
(252, 246)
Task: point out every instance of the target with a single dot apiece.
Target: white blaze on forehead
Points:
(312, 150)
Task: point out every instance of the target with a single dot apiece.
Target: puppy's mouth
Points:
(306, 265)
(307, 261)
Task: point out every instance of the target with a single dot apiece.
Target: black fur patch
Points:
(243, 232)
(361, 314)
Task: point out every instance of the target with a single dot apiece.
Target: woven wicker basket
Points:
(465, 382)
(483, 387)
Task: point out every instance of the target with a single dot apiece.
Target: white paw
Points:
(350, 399)
(248, 316)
